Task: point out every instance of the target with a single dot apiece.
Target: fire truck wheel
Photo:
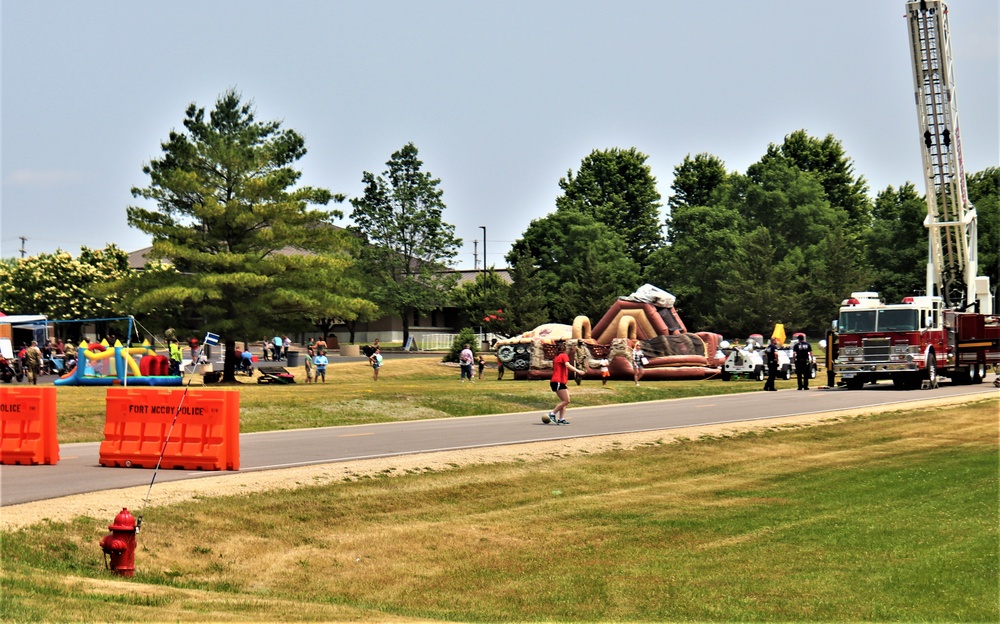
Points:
(931, 368)
(854, 383)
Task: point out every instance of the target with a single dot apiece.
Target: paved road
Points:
(78, 470)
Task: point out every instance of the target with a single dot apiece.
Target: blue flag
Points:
(211, 339)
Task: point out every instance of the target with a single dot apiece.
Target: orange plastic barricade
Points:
(205, 437)
(28, 426)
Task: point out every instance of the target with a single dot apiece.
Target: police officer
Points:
(802, 351)
(771, 359)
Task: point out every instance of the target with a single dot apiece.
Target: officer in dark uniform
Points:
(802, 351)
(771, 360)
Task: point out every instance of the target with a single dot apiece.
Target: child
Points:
(605, 373)
(482, 366)
(376, 360)
(321, 361)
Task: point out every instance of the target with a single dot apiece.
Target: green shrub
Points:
(464, 337)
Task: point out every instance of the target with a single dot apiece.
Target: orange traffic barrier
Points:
(28, 425)
(205, 437)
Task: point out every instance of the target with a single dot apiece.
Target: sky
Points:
(502, 99)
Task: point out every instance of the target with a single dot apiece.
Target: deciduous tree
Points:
(484, 302)
(63, 287)
(581, 264)
(617, 188)
(833, 169)
(896, 244)
(984, 193)
(408, 243)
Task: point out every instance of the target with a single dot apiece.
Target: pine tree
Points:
(250, 254)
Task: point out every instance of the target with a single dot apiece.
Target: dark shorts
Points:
(557, 386)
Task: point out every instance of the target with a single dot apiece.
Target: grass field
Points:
(408, 389)
(890, 517)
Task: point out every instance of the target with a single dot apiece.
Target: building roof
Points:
(466, 276)
(137, 260)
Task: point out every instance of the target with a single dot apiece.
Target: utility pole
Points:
(483, 228)
(24, 251)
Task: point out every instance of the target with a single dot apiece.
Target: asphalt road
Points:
(78, 470)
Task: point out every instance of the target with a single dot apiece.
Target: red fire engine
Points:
(912, 342)
(952, 332)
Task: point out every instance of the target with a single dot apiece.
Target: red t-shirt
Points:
(560, 373)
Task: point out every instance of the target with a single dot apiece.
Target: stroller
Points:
(244, 364)
(10, 370)
(275, 375)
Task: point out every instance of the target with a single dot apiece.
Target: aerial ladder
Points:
(951, 220)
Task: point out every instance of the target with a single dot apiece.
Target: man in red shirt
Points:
(560, 376)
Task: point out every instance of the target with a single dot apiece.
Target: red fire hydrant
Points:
(119, 545)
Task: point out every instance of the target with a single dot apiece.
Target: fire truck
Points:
(952, 331)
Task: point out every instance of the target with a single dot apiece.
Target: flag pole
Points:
(210, 339)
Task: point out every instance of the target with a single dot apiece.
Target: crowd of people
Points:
(33, 361)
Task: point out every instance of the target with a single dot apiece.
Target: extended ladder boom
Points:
(951, 219)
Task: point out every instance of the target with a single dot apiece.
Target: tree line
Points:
(784, 242)
(241, 247)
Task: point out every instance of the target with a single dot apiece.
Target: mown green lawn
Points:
(408, 389)
(881, 518)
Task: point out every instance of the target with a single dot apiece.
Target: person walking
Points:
(605, 371)
(33, 362)
(310, 366)
(482, 366)
(638, 361)
(560, 377)
(465, 363)
(803, 362)
(276, 348)
(580, 361)
(321, 361)
(376, 361)
(499, 368)
(771, 360)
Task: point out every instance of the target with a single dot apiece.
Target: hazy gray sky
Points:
(501, 98)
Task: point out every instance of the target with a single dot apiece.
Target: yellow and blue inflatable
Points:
(100, 364)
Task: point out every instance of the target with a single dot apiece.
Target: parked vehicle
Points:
(747, 362)
(10, 370)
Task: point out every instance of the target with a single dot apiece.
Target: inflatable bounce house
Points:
(646, 317)
(104, 365)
